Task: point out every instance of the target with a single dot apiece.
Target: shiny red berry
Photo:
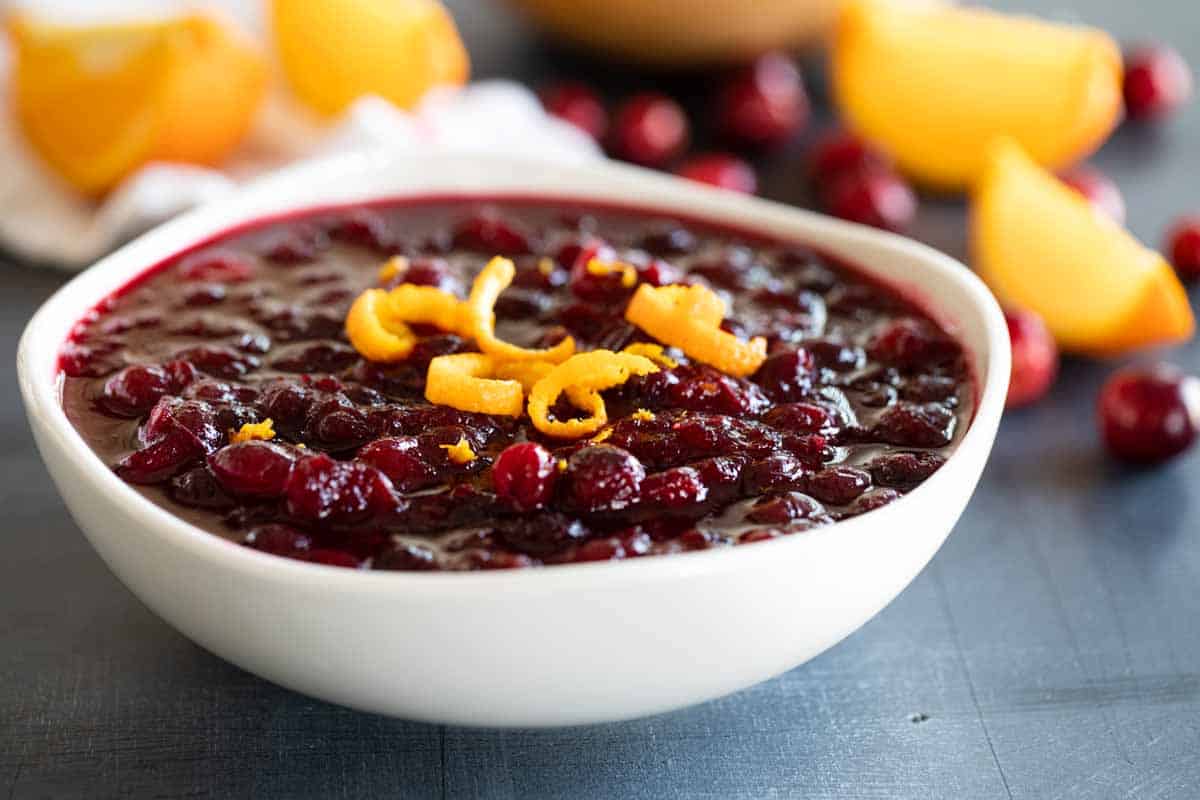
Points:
(577, 104)
(650, 129)
(525, 474)
(1034, 358)
(1183, 246)
(1157, 82)
(1099, 190)
(1149, 414)
(840, 153)
(763, 104)
(878, 198)
(253, 469)
(722, 171)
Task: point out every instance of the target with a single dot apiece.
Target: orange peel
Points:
(373, 334)
(683, 316)
(464, 381)
(262, 431)
(460, 452)
(654, 352)
(393, 268)
(409, 303)
(600, 268)
(478, 318)
(582, 377)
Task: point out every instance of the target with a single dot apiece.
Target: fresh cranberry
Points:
(780, 509)
(363, 227)
(320, 488)
(1149, 414)
(787, 375)
(878, 198)
(840, 153)
(298, 244)
(337, 423)
(433, 272)
(1034, 358)
(911, 342)
(314, 357)
(722, 171)
(287, 404)
(198, 488)
(196, 418)
(220, 362)
(1157, 82)
(253, 469)
(1099, 190)
(407, 557)
(161, 458)
(805, 417)
(525, 475)
(697, 387)
(218, 266)
(773, 473)
(872, 500)
(1183, 244)
(577, 104)
(674, 488)
(763, 104)
(134, 390)
(603, 478)
(489, 233)
(837, 486)
(650, 129)
(608, 549)
(659, 273)
(206, 294)
(280, 540)
(904, 470)
(400, 459)
(913, 425)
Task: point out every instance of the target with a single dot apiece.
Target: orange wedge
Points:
(933, 84)
(98, 102)
(1040, 245)
(334, 51)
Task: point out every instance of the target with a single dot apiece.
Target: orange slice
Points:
(933, 84)
(98, 102)
(334, 51)
(1040, 245)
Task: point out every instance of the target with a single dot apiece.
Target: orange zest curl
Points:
(478, 318)
(689, 317)
(654, 352)
(526, 373)
(409, 303)
(464, 381)
(582, 377)
(600, 268)
(393, 268)
(262, 431)
(372, 331)
(460, 453)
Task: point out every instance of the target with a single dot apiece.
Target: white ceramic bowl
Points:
(564, 645)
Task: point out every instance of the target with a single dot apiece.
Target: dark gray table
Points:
(1051, 650)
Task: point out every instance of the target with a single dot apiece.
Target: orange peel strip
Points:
(372, 336)
(464, 381)
(600, 268)
(409, 303)
(526, 373)
(583, 376)
(654, 352)
(262, 431)
(393, 268)
(460, 452)
(478, 318)
(682, 317)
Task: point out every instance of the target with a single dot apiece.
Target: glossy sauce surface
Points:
(860, 399)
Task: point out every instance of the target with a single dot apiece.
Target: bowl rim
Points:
(40, 383)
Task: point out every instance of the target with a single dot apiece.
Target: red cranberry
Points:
(608, 549)
(670, 239)
(363, 227)
(540, 534)
(775, 472)
(1099, 190)
(781, 509)
(722, 171)
(219, 266)
(297, 244)
(525, 474)
(838, 485)
(134, 390)
(198, 488)
(878, 198)
(913, 425)
(433, 272)
(399, 458)
(650, 129)
(1150, 413)
(1034, 358)
(603, 478)
(286, 404)
(332, 558)
(579, 105)
(1183, 244)
(337, 423)
(194, 417)
(253, 469)
(801, 418)
(787, 375)
(840, 153)
(763, 104)
(280, 540)
(872, 501)
(911, 342)
(488, 233)
(220, 362)
(904, 470)
(162, 458)
(207, 294)
(345, 491)
(1157, 82)
(674, 488)
(407, 557)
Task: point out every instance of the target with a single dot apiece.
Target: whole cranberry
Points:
(1034, 358)
(722, 171)
(219, 266)
(1183, 244)
(134, 390)
(786, 375)
(525, 474)
(1099, 190)
(650, 129)
(603, 478)
(763, 104)
(577, 104)
(1157, 82)
(400, 458)
(280, 540)
(840, 153)
(489, 233)
(1149, 414)
(879, 198)
(320, 488)
(253, 469)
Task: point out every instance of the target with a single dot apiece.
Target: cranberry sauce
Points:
(859, 400)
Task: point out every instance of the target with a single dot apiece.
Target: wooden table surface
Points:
(1051, 650)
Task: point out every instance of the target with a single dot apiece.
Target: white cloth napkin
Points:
(43, 221)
